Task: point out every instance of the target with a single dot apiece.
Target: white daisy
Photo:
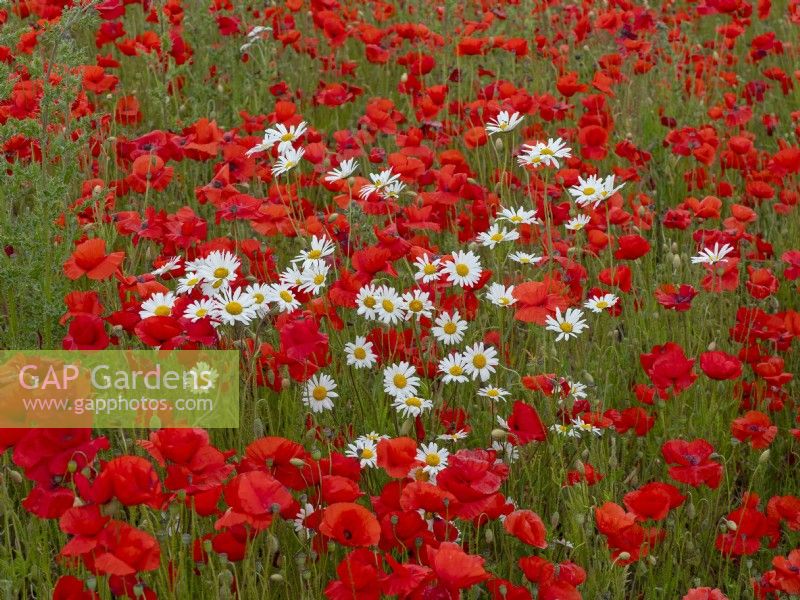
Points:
(319, 392)
(320, 248)
(287, 160)
(454, 368)
(199, 309)
(449, 329)
(582, 427)
(587, 190)
(711, 257)
(598, 304)
(218, 270)
(379, 181)
(493, 393)
(346, 168)
(300, 521)
(359, 353)
(172, 264)
(411, 406)
(366, 451)
(417, 303)
(314, 276)
(233, 306)
(495, 235)
(508, 452)
(258, 294)
(524, 258)
(570, 324)
(578, 223)
(291, 276)
(400, 380)
(389, 308)
(500, 295)
(157, 305)
(427, 269)
(282, 296)
(464, 270)
(453, 437)
(188, 282)
(503, 122)
(367, 301)
(518, 216)
(433, 458)
(481, 361)
(281, 135)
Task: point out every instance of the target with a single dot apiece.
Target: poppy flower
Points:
(653, 500)
(668, 368)
(86, 332)
(692, 461)
(756, 428)
(705, 593)
(720, 365)
(677, 299)
(455, 569)
(350, 525)
(90, 259)
(397, 455)
(526, 526)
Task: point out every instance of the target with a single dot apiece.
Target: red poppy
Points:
(720, 365)
(527, 526)
(705, 593)
(668, 368)
(90, 259)
(756, 428)
(397, 455)
(455, 569)
(350, 525)
(692, 461)
(653, 500)
(678, 299)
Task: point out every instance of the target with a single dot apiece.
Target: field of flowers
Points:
(514, 285)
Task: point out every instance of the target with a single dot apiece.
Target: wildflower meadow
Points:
(512, 286)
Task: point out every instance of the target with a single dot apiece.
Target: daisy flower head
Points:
(199, 309)
(525, 258)
(389, 308)
(506, 451)
(427, 268)
(607, 189)
(587, 190)
(372, 436)
(417, 303)
(449, 329)
(300, 521)
(157, 305)
(465, 268)
(567, 325)
(495, 235)
(346, 168)
(709, 256)
(598, 304)
(531, 156)
(281, 135)
(379, 181)
(481, 361)
(453, 437)
(400, 380)
(258, 294)
(172, 264)
(518, 216)
(291, 276)
(218, 270)
(503, 122)
(576, 389)
(359, 353)
(433, 458)
(287, 161)
(411, 406)
(320, 392)
(188, 282)
(500, 295)
(392, 190)
(553, 150)
(454, 368)
(563, 430)
(493, 393)
(582, 427)
(282, 296)
(233, 306)
(578, 223)
(314, 277)
(366, 451)
(321, 247)
(367, 301)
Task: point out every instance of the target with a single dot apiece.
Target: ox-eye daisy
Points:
(346, 168)
(493, 393)
(233, 306)
(411, 406)
(287, 161)
(389, 308)
(518, 216)
(157, 305)
(433, 458)
(496, 235)
(454, 368)
(598, 304)
(319, 393)
(503, 122)
(500, 295)
(449, 329)
(427, 268)
(359, 353)
(578, 223)
(379, 181)
(711, 257)
(464, 270)
(525, 258)
(320, 248)
(400, 380)
(568, 325)
(481, 361)
(282, 296)
(367, 301)
(366, 451)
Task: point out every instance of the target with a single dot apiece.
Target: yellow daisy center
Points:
(286, 296)
(233, 308)
(162, 311)
(400, 381)
(221, 272)
(449, 328)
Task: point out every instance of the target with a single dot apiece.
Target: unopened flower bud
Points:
(297, 462)
(499, 434)
(764, 457)
(676, 262)
(624, 556)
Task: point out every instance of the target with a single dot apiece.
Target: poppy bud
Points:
(181, 495)
(498, 144)
(316, 454)
(732, 525)
(676, 262)
(15, 476)
(186, 539)
(587, 377)
(652, 560)
(273, 545)
(225, 578)
(207, 546)
(138, 590)
(332, 217)
(674, 247)
(691, 511)
(404, 78)
(406, 427)
(764, 457)
(258, 428)
(276, 578)
(624, 556)
(91, 584)
(297, 462)
(499, 434)
(488, 534)
(555, 519)
(579, 467)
